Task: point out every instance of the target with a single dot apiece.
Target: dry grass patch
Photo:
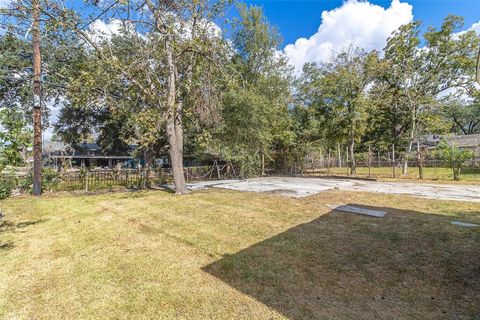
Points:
(220, 254)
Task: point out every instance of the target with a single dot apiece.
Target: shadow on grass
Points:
(6, 245)
(407, 265)
(8, 226)
(470, 171)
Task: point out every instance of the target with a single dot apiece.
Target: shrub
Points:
(7, 183)
(455, 157)
(49, 180)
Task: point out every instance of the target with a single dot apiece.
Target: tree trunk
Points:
(393, 160)
(456, 174)
(176, 158)
(263, 163)
(405, 159)
(339, 155)
(37, 100)
(174, 126)
(410, 142)
(419, 161)
(351, 146)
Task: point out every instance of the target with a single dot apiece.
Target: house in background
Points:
(470, 141)
(87, 155)
(90, 155)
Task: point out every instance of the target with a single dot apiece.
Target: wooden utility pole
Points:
(37, 100)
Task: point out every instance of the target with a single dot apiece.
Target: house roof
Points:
(84, 151)
(465, 141)
(462, 141)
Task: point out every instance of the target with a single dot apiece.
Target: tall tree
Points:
(37, 100)
(463, 111)
(337, 92)
(161, 58)
(254, 115)
(417, 76)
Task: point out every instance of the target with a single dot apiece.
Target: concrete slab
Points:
(464, 224)
(358, 210)
(301, 187)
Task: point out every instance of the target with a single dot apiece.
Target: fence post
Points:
(378, 158)
(86, 181)
(347, 165)
(339, 155)
(328, 162)
(369, 160)
(220, 176)
(263, 165)
(419, 161)
(393, 159)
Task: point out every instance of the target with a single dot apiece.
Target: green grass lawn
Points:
(445, 175)
(220, 254)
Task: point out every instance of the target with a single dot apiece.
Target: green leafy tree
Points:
(416, 77)
(455, 157)
(337, 92)
(254, 115)
(464, 115)
(161, 59)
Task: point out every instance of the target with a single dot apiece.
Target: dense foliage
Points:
(171, 82)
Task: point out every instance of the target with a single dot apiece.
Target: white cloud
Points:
(4, 3)
(100, 30)
(359, 22)
(475, 27)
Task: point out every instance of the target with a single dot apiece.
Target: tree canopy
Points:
(168, 79)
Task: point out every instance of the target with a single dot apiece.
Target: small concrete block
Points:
(359, 210)
(464, 224)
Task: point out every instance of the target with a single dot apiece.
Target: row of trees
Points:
(169, 80)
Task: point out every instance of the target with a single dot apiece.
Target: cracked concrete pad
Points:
(297, 187)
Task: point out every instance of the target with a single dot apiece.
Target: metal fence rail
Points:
(136, 178)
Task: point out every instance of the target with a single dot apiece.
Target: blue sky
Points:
(314, 30)
(301, 18)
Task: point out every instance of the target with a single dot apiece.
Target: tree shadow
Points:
(9, 226)
(6, 225)
(467, 171)
(6, 245)
(407, 265)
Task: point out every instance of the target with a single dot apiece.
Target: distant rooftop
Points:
(463, 141)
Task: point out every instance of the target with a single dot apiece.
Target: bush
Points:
(49, 180)
(7, 183)
(455, 157)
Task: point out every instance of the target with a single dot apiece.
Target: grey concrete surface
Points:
(358, 210)
(301, 187)
(464, 224)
